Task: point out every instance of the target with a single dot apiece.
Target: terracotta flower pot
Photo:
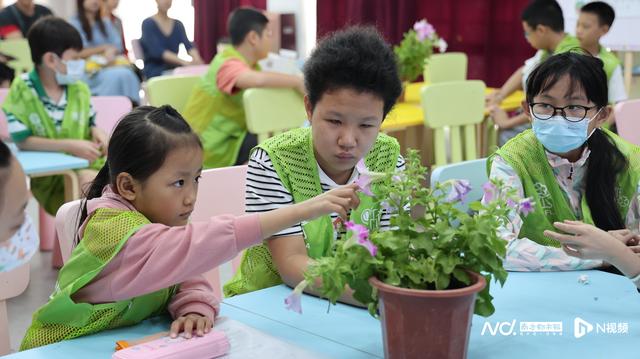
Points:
(426, 323)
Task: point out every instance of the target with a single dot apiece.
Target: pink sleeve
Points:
(228, 74)
(195, 296)
(158, 256)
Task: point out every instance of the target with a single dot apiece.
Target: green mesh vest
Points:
(610, 61)
(567, 43)
(26, 106)
(62, 318)
(293, 158)
(527, 157)
(217, 117)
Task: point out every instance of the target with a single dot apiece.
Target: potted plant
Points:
(426, 276)
(416, 47)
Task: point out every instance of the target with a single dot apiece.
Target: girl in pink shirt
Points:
(137, 254)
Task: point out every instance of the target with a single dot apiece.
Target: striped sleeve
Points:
(92, 116)
(264, 190)
(18, 131)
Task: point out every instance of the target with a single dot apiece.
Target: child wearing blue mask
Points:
(572, 168)
(18, 238)
(49, 108)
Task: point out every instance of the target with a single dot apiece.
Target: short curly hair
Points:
(357, 58)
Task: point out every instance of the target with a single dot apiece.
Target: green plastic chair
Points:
(457, 107)
(450, 66)
(18, 48)
(171, 90)
(270, 111)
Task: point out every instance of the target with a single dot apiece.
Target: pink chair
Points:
(221, 191)
(4, 126)
(109, 110)
(627, 115)
(191, 70)
(12, 284)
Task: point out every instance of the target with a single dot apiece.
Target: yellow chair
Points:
(19, 49)
(457, 107)
(450, 66)
(269, 111)
(171, 90)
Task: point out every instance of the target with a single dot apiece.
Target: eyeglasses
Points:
(571, 113)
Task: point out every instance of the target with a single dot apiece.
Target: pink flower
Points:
(459, 190)
(525, 206)
(293, 301)
(423, 29)
(362, 234)
(366, 178)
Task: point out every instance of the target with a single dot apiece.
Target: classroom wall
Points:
(305, 12)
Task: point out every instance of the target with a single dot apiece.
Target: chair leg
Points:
(5, 345)
(47, 230)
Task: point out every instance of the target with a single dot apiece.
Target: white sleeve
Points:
(617, 91)
(529, 65)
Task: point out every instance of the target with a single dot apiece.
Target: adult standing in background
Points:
(111, 72)
(161, 39)
(16, 19)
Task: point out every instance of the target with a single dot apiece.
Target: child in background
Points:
(18, 238)
(215, 109)
(49, 108)
(543, 25)
(138, 255)
(570, 167)
(595, 21)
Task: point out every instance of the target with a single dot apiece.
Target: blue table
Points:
(349, 332)
(41, 164)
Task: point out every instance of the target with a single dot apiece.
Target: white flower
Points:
(442, 45)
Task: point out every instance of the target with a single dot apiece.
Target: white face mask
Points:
(75, 72)
(20, 247)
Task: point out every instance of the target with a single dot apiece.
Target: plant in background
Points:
(417, 46)
(432, 250)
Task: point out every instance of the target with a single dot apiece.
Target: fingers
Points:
(635, 249)
(571, 227)
(562, 238)
(175, 327)
(188, 327)
(571, 251)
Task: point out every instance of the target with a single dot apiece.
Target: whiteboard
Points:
(624, 34)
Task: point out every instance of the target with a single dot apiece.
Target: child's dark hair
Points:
(52, 34)
(602, 10)
(357, 58)
(5, 163)
(244, 20)
(544, 12)
(6, 73)
(84, 21)
(140, 144)
(606, 162)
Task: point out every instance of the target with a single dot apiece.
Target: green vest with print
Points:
(27, 107)
(526, 155)
(293, 158)
(217, 117)
(62, 318)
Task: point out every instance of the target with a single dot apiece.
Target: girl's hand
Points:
(338, 200)
(587, 242)
(625, 236)
(83, 149)
(188, 323)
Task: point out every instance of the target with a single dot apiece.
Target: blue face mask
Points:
(558, 135)
(75, 72)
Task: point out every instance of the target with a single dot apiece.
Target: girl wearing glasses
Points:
(583, 179)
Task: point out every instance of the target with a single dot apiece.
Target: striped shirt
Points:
(265, 191)
(19, 131)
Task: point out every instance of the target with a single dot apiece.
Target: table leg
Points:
(628, 70)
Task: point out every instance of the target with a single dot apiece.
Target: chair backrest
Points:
(136, 46)
(171, 90)
(458, 107)
(269, 111)
(221, 191)
(191, 70)
(450, 66)
(4, 126)
(12, 284)
(19, 49)
(67, 223)
(627, 115)
(109, 110)
(474, 171)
